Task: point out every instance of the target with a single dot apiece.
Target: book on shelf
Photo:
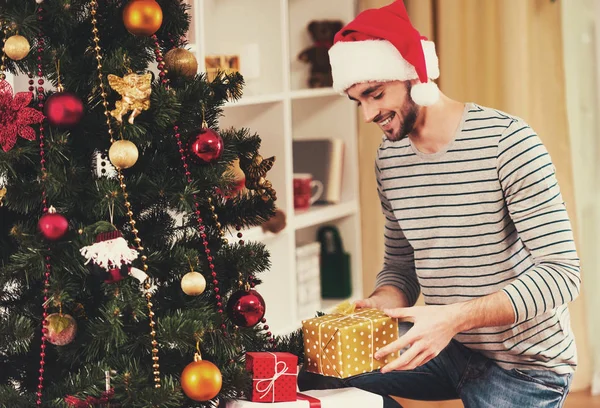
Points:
(324, 159)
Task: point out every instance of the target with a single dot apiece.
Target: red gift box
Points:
(274, 376)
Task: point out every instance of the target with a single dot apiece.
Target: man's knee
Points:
(312, 381)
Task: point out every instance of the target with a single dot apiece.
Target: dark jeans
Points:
(457, 372)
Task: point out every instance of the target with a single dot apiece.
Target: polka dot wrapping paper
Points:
(274, 376)
(342, 345)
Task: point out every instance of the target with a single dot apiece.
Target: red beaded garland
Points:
(48, 269)
(161, 63)
(199, 220)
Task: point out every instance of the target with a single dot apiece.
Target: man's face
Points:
(388, 104)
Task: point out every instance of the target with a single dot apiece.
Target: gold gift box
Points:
(342, 344)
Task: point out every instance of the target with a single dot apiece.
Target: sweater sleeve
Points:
(398, 260)
(536, 206)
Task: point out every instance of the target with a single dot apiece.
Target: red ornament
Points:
(15, 116)
(64, 109)
(52, 225)
(246, 308)
(207, 146)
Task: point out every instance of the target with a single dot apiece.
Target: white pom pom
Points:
(425, 94)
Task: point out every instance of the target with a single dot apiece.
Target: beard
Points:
(408, 117)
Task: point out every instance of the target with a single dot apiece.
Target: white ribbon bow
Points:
(270, 382)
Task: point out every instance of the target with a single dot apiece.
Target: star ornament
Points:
(15, 116)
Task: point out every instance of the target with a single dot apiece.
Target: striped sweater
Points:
(482, 215)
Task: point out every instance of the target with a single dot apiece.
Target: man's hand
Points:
(385, 297)
(434, 327)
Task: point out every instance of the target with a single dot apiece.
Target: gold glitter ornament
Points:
(193, 283)
(123, 154)
(16, 47)
(180, 61)
(135, 91)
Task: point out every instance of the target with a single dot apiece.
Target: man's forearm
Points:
(491, 310)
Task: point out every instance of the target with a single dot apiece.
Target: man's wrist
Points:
(463, 316)
(390, 296)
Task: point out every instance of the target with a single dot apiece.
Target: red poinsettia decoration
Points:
(15, 116)
(90, 401)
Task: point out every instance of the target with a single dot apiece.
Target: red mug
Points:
(304, 196)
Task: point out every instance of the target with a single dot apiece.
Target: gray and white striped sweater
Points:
(484, 214)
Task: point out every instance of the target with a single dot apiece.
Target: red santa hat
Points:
(382, 45)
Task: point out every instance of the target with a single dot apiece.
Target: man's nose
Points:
(369, 112)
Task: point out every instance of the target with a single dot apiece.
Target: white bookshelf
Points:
(278, 105)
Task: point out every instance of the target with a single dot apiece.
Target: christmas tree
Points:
(118, 286)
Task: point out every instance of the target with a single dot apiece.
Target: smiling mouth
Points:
(387, 121)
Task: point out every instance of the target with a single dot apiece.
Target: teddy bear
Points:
(322, 33)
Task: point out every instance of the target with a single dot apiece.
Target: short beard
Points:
(409, 113)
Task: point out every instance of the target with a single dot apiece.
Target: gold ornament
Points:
(201, 380)
(142, 17)
(16, 47)
(180, 61)
(256, 170)
(193, 283)
(123, 154)
(2, 194)
(135, 90)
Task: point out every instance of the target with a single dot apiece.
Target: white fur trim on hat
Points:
(355, 62)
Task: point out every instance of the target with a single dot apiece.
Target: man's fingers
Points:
(396, 345)
(407, 357)
(363, 303)
(427, 358)
(399, 312)
(422, 358)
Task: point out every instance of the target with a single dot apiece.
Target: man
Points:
(474, 220)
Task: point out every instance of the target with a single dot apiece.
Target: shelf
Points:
(313, 93)
(318, 214)
(256, 100)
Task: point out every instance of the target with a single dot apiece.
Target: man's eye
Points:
(378, 96)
